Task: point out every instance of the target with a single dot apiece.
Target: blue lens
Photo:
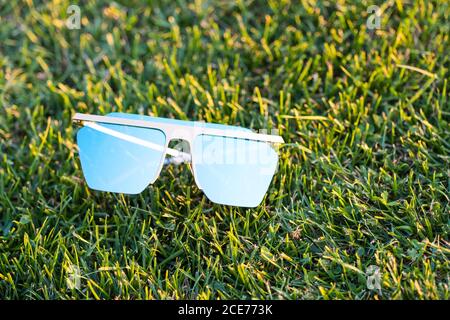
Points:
(118, 158)
(233, 171)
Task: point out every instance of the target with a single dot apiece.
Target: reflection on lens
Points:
(233, 171)
(119, 158)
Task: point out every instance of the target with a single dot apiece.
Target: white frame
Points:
(171, 131)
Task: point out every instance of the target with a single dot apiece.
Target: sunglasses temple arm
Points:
(178, 157)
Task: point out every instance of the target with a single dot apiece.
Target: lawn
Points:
(362, 183)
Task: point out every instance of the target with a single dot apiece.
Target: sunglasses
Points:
(124, 153)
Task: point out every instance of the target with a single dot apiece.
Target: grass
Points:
(363, 178)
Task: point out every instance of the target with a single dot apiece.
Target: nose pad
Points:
(184, 147)
(180, 145)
